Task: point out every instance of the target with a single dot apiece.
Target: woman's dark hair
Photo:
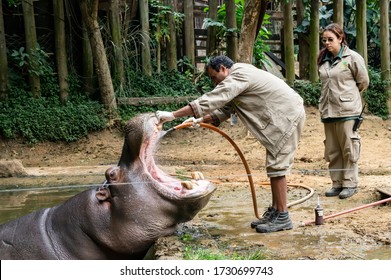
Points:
(338, 32)
(217, 61)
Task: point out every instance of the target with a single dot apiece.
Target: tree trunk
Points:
(171, 43)
(61, 52)
(288, 43)
(89, 11)
(261, 16)
(158, 53)
(251, 13)
(314, 41)
(145, 51)
(211, 44)
(130, 14)
(338, 12)
(116, 35)
(31, 46)
(3, 57)
(361, 29)
(303, 39)
(189, 31)
(232, 34)
(385, 45)
(88, 63)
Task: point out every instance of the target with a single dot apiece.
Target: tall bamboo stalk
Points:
(61, 52)
(31, 46)
(314, 41)
(288, 43)
(3, 57)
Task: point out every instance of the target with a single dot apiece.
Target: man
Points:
(271, 110)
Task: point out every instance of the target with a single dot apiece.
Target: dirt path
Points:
(224, 223)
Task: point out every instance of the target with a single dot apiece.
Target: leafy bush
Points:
(167, 83)
(377, 95)
(45, 119)
(308, 91)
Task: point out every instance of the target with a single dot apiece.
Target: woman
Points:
(343, 77)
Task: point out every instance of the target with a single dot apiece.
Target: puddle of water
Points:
(20, 196)
(14, 204)
(228, 219)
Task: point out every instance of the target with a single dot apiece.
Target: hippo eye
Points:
(112, 174)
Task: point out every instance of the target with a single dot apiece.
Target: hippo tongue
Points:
(169, 183)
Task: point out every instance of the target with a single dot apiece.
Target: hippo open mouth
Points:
(142, 137)
(169, 185)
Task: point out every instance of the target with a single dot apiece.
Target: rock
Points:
(12, 168)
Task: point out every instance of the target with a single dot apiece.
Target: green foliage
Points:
(167, 83)
(260, 48)
(377, 95)
(221, 30)
(372, 20)
(36, 63)
(13, 2)
(197, 249)
(158, 20)
(203, 83)
(20, 57)
(187, 237)
(199, 253)
(308, 91)
(188, 67)
(45, 119)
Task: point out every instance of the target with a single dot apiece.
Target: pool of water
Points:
(20, 196)
(16, 203)
(231, 225)
(227, 218)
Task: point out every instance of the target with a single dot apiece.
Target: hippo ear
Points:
(103, 194)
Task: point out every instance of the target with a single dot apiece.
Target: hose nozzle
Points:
(164, 132)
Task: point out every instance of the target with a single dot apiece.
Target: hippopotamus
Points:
(118, 219)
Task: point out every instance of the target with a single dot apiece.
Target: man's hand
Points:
(164, 116)
(194, 121)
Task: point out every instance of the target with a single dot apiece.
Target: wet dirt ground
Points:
(224, 224)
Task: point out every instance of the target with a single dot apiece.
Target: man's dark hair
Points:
(217, 61)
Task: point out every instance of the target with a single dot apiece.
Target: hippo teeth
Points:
(196, 175)
(187, 185)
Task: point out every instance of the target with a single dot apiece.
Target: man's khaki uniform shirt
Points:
(268, 107)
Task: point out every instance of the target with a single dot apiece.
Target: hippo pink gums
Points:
(137, 204)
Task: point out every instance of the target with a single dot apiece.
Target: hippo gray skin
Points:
(137, 204)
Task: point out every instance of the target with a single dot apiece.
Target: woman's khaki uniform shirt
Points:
(343, 81)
